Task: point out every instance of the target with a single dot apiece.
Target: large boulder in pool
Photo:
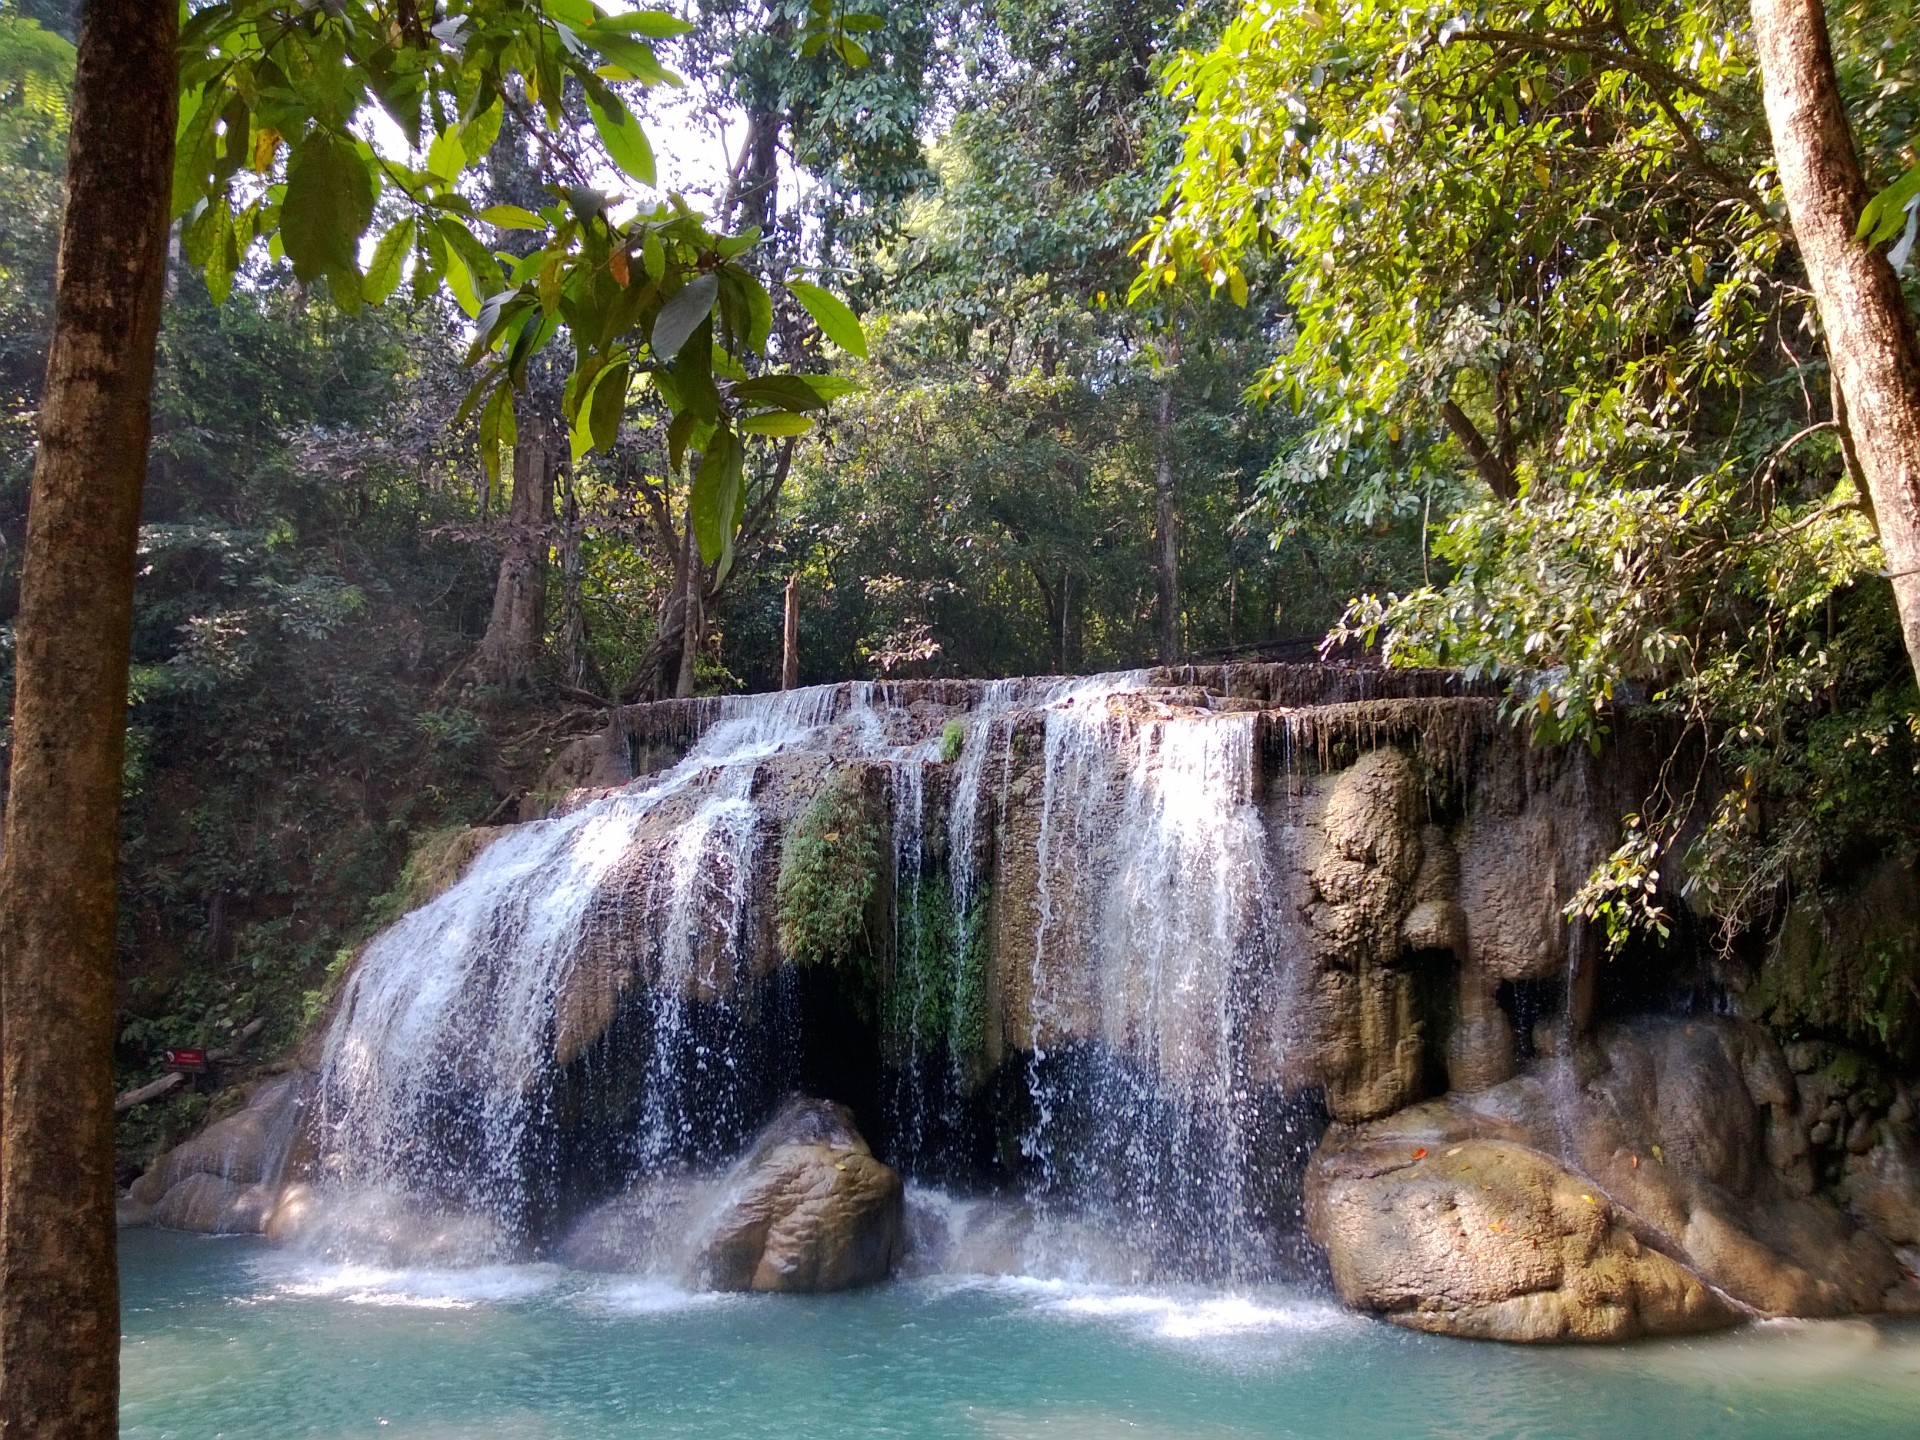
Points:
(808, 1208)
(1493, 1241)
(1594, 1197)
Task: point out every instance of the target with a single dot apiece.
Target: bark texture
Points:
(1166, 550)
(59, 1288)
(790, 637)
(511, 646)
(1869, 329)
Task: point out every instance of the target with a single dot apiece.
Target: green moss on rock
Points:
(829, 874)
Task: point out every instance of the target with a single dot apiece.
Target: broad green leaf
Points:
(634, 56)
(446, 157)
(788, 392)
(835, 320)
(654, 24)
(383, 274)
(625, 140)
(776, 422)
(828, 387)
(512, 217)
(715, 500)
(608, 404)
(682, 314)
(329, 202)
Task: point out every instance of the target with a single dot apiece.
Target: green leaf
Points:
(383, 274)
(716, 498)
(626, 142)
(835, 320)
(446, 157)
(682, 314)
(512, 217)
(788, 392)
(636, 57)
(776, 422)
(329, 203)
(654, 24)
(829, 387)
(692, 374)
(1886, 212)
(606, 405)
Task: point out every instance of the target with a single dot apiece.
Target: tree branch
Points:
(1492, 468)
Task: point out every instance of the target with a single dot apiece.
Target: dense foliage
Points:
(1538, 273)
(1474, 331)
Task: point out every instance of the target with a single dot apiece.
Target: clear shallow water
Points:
(226, 1338)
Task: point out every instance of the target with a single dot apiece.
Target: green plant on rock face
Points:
(829, 870)
(937, 991)
(953, 736)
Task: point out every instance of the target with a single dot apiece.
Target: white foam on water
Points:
(414, 1289)
(648, 1296)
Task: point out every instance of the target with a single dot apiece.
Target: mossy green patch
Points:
(829, 874)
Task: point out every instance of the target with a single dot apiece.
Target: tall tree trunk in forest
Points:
(1166, 553)
(790, 635)
(59, 1286)
(1869, 330)
(511, 647)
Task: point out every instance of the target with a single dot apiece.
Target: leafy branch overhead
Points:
(279, 100)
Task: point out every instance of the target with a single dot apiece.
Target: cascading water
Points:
(599, 1000)
(1152, 911)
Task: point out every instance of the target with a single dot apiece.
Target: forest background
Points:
(1536, 389)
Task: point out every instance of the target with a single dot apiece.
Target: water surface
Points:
(227, 1338)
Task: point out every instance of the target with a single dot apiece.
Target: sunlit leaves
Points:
(329, 201)
(276, 95)
(830, 313)
(623, 136)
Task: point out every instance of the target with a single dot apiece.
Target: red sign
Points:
(192, 1062)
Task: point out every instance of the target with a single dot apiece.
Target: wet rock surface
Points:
(226, 1180)
(1493, 1241)
(1681, 1136)
(808, 1208)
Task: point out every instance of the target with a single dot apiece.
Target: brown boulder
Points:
(808, 1209)
(1683, 1129)
(225, 1180)
(1492, 1241)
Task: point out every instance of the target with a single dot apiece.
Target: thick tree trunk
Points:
(1869, 330)
(59, 1288)
(511, 647)
(1166, 553)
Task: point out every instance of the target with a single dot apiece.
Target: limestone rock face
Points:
(1362, 851)
(1493, 1241)
(226, 1180)
(1685, 1134)
(808, 1209)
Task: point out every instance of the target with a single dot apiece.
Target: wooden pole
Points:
(790, 637)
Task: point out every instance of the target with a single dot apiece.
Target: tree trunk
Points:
(511, 647)
(1869, 330)
(692, 612)
(1166, 554)
(790, 636)
(59, 1286)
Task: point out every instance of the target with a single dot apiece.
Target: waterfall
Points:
(438, 1074)
(599, 1000)
(1152, 897)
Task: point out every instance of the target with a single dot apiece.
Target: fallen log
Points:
(152, 1090)
(167, 1084)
